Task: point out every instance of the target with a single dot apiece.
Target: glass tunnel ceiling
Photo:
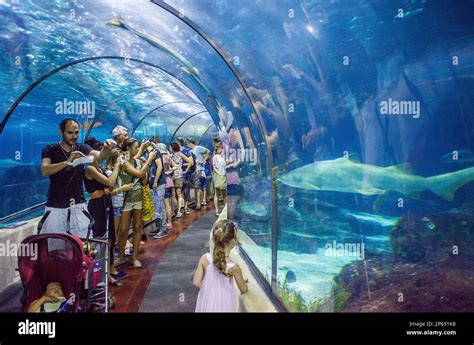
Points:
(297, 49)
(45, 39)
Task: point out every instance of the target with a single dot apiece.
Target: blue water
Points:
(316, 74)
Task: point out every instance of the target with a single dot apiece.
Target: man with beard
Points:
(66, 202)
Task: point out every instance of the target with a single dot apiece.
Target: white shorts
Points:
(57, 220)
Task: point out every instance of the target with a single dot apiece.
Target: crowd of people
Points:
(125, 179)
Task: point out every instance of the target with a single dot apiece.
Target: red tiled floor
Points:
(129, 295)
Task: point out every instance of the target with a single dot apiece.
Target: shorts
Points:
(208, 182)
(168, 193)
(117, 211)
(235, 189)
(195, 179)
(179, 182)
(132, 206)
(187, 188)
(202, 183)
(57, 222)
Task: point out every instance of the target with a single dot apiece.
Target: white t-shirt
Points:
(199, 152)
(219, 164)
(117, 200)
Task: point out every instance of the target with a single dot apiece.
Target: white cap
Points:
(118, 130)
(161, 147)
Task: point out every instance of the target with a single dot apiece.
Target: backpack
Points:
(193, 167)
(153, 168)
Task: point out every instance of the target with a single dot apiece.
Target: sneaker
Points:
(137, 263)
(198, 208)
(217, 214)
(179, 215)
(161, 234)
(186, 211)
(119, 275)
(128, 251)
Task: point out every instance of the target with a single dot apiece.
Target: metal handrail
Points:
(22, 212)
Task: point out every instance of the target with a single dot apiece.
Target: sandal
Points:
(113, 281)
(119, 262)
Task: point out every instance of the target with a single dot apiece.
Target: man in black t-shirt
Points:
(65, 194)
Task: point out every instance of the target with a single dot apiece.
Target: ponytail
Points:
(223, 232)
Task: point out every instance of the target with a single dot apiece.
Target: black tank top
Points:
(93, 185)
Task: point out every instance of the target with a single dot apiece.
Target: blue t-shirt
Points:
(207, 169)
(152, 171)
(187, 153)
(199, 152)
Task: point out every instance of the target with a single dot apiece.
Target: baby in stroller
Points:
(53, 300)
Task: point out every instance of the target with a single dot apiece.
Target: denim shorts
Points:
(117, 211)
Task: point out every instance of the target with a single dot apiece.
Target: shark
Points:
(345, 175)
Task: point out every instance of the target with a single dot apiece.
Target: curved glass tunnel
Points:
(353, 121)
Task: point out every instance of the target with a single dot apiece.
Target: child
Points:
(216, 274)
(52, 301)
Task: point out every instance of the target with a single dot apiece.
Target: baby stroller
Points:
(67, 259)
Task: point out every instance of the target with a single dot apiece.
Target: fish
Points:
(458, 156)
(295, 72)
(187, 67)
(253, 208)
(290, 276)
(87, 124)
(288, 29)
(384, 221)
(344, 175)
(11, 163)
(119, 21)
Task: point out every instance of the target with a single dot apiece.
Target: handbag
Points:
(220, 182)
(148, 207)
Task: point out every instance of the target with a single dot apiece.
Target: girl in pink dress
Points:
(216, 275)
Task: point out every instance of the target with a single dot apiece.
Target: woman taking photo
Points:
(98, 185)
(178, 158)
(134, 172)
